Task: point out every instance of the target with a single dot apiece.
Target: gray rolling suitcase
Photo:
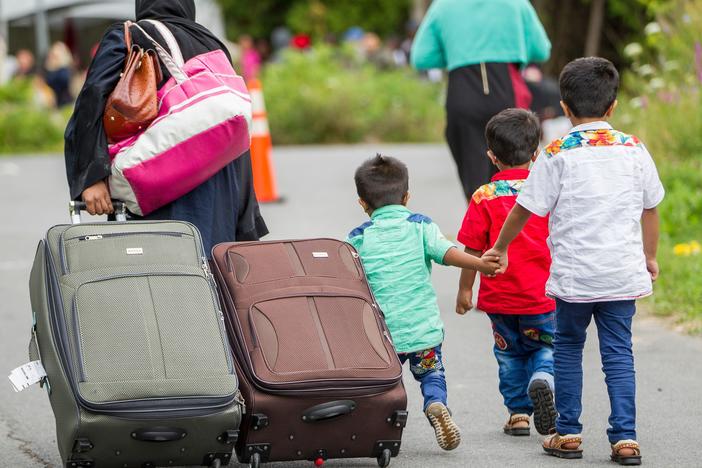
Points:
(128, 326)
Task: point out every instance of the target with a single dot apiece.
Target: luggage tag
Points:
(27, 375)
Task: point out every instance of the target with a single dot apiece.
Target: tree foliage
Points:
(255, 18)
(315, 17)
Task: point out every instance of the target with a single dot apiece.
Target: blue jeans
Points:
(428, 369)
(524, 353)
(613, 320)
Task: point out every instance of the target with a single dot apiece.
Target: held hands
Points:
(498, 256)
(97, 199)
(490, 265)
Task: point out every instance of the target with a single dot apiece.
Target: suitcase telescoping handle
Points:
(332, 409)
(75, 207)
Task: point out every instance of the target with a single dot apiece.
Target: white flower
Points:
(633, 50)
(636, 103)
(671, 65)
(657, 83)
(652, 28)
(645, 70)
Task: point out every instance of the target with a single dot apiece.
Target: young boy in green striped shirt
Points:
(397, 248)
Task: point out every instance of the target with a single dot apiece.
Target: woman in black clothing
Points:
(482, 44)
(224, 208)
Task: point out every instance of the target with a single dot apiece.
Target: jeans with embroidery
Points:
(428, 369)
(524, 352)
(613, 320)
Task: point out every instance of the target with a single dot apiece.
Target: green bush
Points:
(24, 126)
(664, 108)
(326, 96)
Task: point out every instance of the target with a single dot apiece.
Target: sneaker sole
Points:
(448, 435)
(544, 410)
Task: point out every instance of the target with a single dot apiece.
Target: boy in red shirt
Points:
(522, 316)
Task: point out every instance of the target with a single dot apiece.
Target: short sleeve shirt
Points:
(595, 182)
(521, 289)
(397, 248)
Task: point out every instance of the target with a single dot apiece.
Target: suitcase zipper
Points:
(220, 321)
(62, 238)
(125, 234)
(92, 237)
(77, 347)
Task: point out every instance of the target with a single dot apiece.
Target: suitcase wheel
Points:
(384, 458)
(255, 460)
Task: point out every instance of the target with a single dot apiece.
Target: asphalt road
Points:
(321, 201)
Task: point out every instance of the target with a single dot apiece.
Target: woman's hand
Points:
(97, 199)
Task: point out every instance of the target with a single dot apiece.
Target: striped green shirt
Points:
(397, 248)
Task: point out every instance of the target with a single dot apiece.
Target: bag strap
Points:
(128, 36)
(173, 68)
(170, 41)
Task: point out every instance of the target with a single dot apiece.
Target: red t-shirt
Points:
(522, 288)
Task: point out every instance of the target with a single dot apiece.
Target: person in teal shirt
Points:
(397, 248)
(482, 43)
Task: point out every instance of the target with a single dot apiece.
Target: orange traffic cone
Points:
(261, 146)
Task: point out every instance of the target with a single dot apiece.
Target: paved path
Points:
(321, 201)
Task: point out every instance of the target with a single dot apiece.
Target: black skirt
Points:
(475, 94)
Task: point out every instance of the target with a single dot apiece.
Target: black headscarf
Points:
(165, 9)
(179, 17)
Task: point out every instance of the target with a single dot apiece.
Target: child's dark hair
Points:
(513, 136)
(589, 86)
(382, 181)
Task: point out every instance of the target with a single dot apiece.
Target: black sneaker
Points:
(544, 409)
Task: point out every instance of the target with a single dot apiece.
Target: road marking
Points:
(9, 169)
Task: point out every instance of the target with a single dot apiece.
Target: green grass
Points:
(678, 292)
(327, 95)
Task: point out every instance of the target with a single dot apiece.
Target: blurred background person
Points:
(249, 57)
(25, 64)
(280, 41)
(482, 44)
(58, 74)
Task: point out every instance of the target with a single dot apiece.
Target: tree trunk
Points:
(419, 9)
(594, 30)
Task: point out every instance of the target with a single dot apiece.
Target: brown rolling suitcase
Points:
(317, 368)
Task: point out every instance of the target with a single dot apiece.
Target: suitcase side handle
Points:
(332, 409)
(158, 434)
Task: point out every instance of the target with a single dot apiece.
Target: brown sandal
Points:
(555, 445)
(627, 460)
(517, 431)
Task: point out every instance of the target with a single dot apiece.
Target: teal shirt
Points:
(397, 248)
(456, 33)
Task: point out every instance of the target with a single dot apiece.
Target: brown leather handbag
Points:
(133, 104)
